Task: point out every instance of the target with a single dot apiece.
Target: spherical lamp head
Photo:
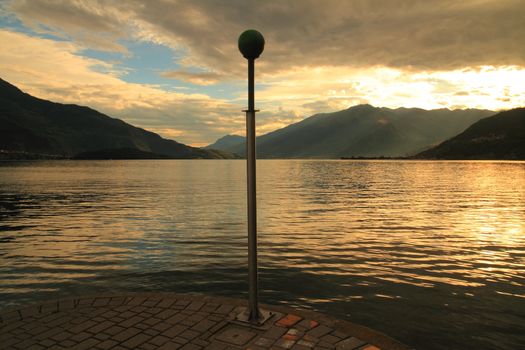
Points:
(251, 44)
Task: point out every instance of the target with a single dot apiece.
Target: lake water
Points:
(431, 253)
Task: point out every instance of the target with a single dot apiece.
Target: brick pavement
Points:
(176, 321)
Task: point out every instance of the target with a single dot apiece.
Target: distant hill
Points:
(362, 130)
(227, 142)
(501, 136)
(34, 128)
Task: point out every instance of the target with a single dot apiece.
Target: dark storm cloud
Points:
(423, 35)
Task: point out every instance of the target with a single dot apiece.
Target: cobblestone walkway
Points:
(170, 321)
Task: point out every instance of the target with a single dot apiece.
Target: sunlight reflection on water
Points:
(432, 253)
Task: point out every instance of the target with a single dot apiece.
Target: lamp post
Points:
(251, 45)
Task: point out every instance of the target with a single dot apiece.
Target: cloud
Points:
(197, 78)
(320, 56)
(53, 70)
(421, 35)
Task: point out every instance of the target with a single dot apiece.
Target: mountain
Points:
(363, 130)
(226, 142)
(501, 136)
(32, 128)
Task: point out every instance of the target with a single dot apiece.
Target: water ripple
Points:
(430, 252)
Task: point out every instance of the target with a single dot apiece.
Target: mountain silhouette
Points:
(227, 142)
(501, 136)
(361, 130)
(31, 126)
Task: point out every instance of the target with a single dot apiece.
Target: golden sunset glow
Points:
(180, 70)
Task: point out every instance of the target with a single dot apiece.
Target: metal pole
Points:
(251, 45)
(252, 198)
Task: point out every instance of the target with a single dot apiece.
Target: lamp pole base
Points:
(245, 317)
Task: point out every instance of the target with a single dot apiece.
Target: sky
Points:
(173, 66)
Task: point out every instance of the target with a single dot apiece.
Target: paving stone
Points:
(25, 343)
(151, 321)
(166, 303)
(113, 330)
(152, 311)
(180, 340)
(209, 307)
(87, 344)
(101, 302)
(170, 346)
(37, 330)
(174, 331)
(275, 332)
(124, 314)
(224, 309)
(308, 324)
(195, 305)
(216, 346)
(100, 327)
(151, 302)
(164, 314)
(310, 338)
(188, 323)
(330, 339)
(182, 302)
(85, 302)
(154, 321)
(236, 335)
(151, 331)
(285, 343)
(131, 321)
(189, 334)
(48, 334)
(203, 325)
(288, 320)
(340, 334)
(83, 326)
(159, 340)
(190, 346)
(176, 318)
(10, 342)
(200, 342)
(67, 343)
(326, 345)
(126, 334)
(264, 342)
(305, 343)
(80, 337)
(101, 336)
(117, 319)
(107, 344)
(136, 340)
(61, 336)
(197, 316)
(47, 343)
(147, 346)
(162, 326)
(117, 301)
(298, 346)
(350, 344)
(319, 331)
(137, 301)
